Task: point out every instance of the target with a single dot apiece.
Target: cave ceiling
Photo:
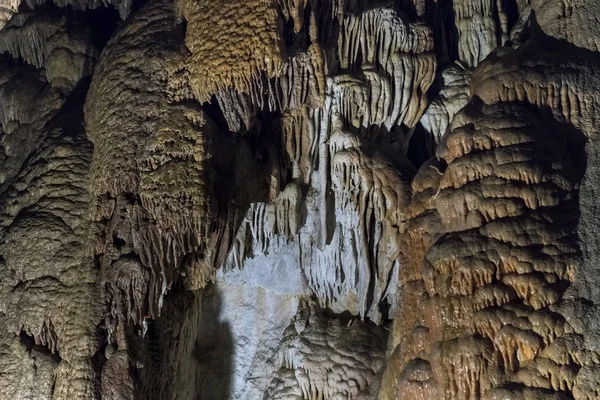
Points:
(299, 199)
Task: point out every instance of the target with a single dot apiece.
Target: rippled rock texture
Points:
(299, 199)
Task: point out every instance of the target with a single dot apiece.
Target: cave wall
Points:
(299, 199)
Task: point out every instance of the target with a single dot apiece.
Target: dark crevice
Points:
(136, 5)
(131, 198)
(408, 7)
(102, 21)
(215, 113)
(344, 316)
(29, 342)
(296, 42)
(421, 146)
(511, 8)
(99, 358)
(370, 223)
(385, 307)
(496, 16)
(181, 29)
(118, 242)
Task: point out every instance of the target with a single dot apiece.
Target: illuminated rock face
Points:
(299, 199)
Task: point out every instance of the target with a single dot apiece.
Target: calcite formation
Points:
(299, 199)
(325, 358)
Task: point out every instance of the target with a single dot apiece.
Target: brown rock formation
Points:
(299, 199)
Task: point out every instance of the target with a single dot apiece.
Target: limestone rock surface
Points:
(299, 199)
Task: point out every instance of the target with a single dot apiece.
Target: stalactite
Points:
(42, 40)
(478, 29)
(453, 96)
(397, 66)
(251, 43)
(26, 37)
(255, 204)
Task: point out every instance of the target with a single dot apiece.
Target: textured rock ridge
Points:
(323, 358)
(48, 303)
(495, 269)
(495, 255)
